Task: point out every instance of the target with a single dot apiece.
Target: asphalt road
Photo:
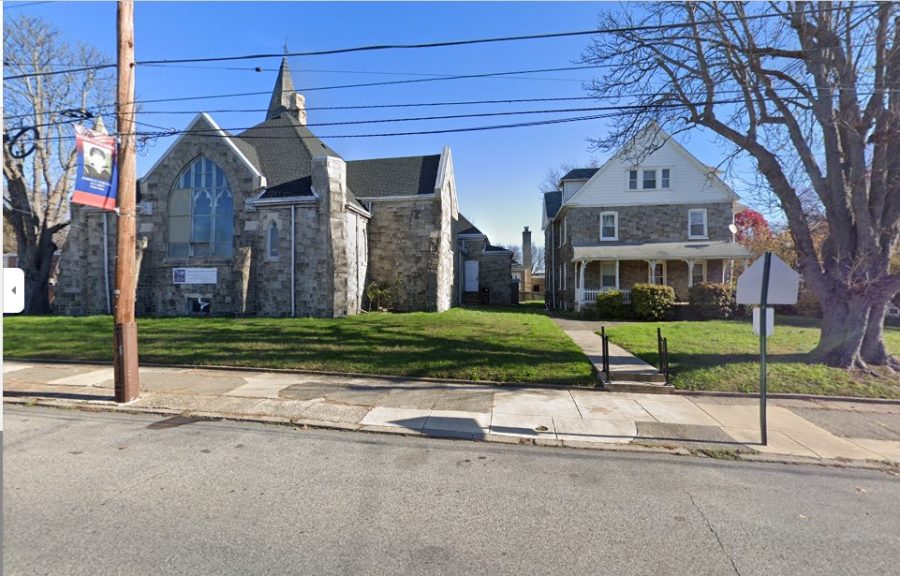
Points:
(99, 493)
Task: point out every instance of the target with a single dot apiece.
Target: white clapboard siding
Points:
(691, 181)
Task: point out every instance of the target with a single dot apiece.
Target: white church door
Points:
(471, 275)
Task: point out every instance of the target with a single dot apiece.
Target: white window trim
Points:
(637, 179)
(661, 187)
(703, 267)
(705, 235)
(639, 185)
(615, 263)
(616, 236)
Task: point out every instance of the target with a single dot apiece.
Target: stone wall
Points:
(495, 274)
(400, 239)
(81, 288)
(447, 274)
(657, 223)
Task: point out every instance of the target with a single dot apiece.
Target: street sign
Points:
(770, 320)
(784, 283)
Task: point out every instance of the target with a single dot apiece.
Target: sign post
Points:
(763, 325)
(766, 282)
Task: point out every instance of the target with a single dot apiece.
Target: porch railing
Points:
(589, 295)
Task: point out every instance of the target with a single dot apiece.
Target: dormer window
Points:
(666, 177)
(649, 180)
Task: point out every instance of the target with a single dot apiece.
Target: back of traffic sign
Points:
(784, 283)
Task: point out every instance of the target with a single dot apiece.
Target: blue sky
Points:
(498, 172)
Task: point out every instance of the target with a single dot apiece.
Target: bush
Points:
(611, 306)
(712, 301)
(652, 302)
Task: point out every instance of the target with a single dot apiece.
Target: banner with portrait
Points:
(95, 176)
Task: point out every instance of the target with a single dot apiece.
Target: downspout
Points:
(106, 261)
(553, 265)
(293, 260)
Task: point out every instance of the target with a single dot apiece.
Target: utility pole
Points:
(127, 387)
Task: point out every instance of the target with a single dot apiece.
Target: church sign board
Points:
(194, 275)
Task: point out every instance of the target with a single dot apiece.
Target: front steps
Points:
(639, 381)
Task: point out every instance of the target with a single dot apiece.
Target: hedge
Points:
(651, 301)
(611, 306)
(712, 301)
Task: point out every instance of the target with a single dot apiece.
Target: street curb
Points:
(639, 447)
(788, 396)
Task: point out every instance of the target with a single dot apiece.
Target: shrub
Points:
(712, 301)
(611, 306)
(652, 302)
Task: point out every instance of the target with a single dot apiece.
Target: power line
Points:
(426, 45)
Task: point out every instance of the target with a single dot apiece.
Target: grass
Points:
(724, 355)
(507, 345)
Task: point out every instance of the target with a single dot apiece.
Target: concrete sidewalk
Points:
(816, 429)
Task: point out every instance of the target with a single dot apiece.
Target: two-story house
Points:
(652, 213)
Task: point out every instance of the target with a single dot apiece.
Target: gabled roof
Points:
(283, 150)
(579, 174)
(405, 176)
(552, 203)
(466, 227)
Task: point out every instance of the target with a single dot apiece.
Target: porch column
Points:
(581, 280)
(617, 276)
(578, 287)
(651, 274)
(690, 263)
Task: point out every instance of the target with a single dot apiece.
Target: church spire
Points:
(284, 98)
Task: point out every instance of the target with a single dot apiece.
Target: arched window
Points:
(201, 212)
(272, 241)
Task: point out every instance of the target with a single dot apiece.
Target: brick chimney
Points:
(526, 248)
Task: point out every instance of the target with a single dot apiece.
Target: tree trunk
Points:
(37, 263)
(844, 327)
(873, 350)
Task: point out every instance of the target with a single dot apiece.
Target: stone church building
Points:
(273, 222)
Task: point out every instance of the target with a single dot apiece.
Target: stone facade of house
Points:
(662, 218)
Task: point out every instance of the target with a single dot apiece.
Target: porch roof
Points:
(703, 250)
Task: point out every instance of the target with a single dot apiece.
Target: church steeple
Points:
(284, 98)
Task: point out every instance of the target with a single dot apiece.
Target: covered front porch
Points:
(679, 265)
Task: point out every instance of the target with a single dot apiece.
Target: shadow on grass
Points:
(448, 345)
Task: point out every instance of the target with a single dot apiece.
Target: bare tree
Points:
(810, 92)
(537, 256)
(550, 183)
(38, 147)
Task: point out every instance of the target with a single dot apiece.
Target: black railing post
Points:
(604, 350)
(665, 346)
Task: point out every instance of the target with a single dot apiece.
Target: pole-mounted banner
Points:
(96, 169)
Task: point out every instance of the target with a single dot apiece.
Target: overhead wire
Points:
(424, 45)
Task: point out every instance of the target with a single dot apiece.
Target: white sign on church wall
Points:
(194, 275)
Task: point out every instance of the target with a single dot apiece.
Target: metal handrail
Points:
(605, 353)
(662, 347)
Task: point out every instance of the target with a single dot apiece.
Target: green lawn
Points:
(507, 345)
(724, 355)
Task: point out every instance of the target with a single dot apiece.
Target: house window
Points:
(698, 275)
(536, 288)
(201, 212)
(697, 223)
(649, 180)
(609, 226)
(272, 241)
(608, 275)
(632, 179)
(658, 274)
(666, 178)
